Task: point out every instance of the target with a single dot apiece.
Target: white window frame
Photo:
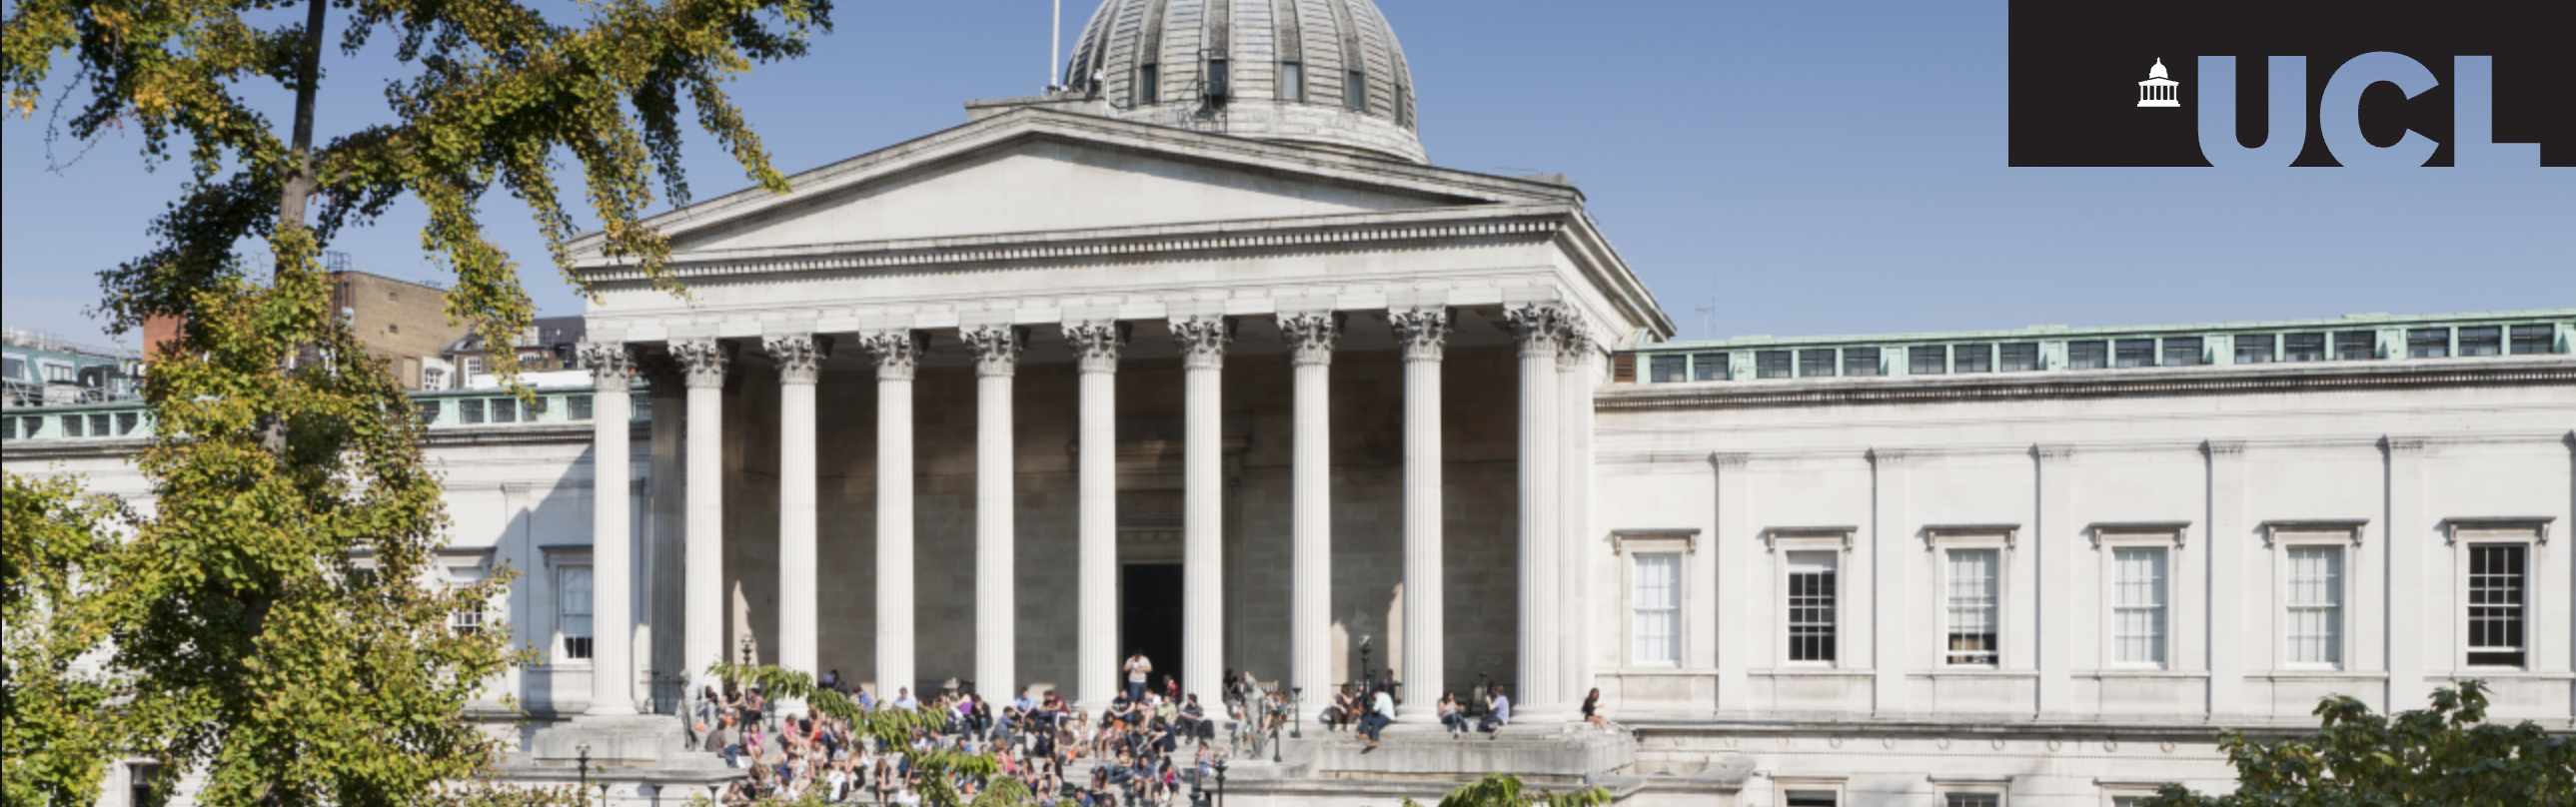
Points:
(2532, 534)
(1784, 541)
(1941, 540)
(2111, 537)
(1682, 544)
(1836, 785)
(558, 558)
(24, 366)
(1999, 787)
(71, 371)
(2115, 789)
(465, 566)
(2345, 534)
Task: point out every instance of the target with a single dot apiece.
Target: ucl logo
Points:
(2339, 113)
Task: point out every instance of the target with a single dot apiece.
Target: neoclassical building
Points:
(1201, 357)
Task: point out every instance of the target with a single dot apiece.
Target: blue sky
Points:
(1793, 167)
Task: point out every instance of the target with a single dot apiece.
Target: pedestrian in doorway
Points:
(1139, 671)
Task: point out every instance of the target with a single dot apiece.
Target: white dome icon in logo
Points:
(2158, 90)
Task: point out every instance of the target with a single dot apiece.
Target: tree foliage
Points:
(1506, 790)
(276, 623)
(2448, 755)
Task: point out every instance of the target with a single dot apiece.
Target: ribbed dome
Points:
(1319, 72)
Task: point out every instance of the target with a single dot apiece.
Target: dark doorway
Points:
(1149, 619)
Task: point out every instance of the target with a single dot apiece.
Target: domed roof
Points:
(2157, 71)
(1317, 72)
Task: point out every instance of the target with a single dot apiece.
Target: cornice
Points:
(2264, 379)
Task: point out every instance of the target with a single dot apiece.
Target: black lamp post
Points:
(746, 650)
(1477, 698)
(1297, 699)
(1220, 783)
(1367, 681)
(581, 760)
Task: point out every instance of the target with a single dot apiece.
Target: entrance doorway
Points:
(1149, 619)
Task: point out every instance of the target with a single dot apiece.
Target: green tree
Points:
(1506, 790)
(272, 625)
(2447, 756)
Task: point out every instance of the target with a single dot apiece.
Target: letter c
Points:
(2339, 112)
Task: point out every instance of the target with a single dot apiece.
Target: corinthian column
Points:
(1096, 346)
(705, 361)
(1539, 328)
(1202, 342)
(612, 663)
(897, 354)
(1423, 335)
(1310, 340)
(1574, 378)
(800, 361)
(997, 355)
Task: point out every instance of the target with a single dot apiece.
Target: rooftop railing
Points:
(441, 411)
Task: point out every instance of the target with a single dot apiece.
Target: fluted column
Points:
(1577, 548)
(1539, 330)
(1096, 346)
(705, 361)
(997, 356)
(1310, 338)
(897, 355)
(1202, 342)
(612, 661)
(1423, 335)
(800, 363)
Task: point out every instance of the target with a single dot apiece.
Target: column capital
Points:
(1202, 340)
(704, 360)
(1574, 348)
(1310, 336)
(1421, 332)
(897, 353)
(800, 356)
(997, 348)
(1539, 328)
(1096, 345)
(612, 365)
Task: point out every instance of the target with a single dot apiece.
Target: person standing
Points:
(1139, 671)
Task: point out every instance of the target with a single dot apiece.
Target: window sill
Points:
(2277, 676)
(1815, 672)
(2144, 673)
(1972, 673)
(2508, 674)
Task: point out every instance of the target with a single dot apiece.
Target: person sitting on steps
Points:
(1498, 712)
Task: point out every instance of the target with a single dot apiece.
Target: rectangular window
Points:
(1771, 364)
(1292, 82)
(1355, 91)
(1972, 602)
(2531, 339)
(2253, 348)
(56, 372)
(1657, 592)
(1149, 84)
(1972, 358)
(2018, 357)
(101, 426)
(1816, 363)
(1809, 798)
(535, 410)
(432, 378)
(2138, 616)
(2303, 347)
(2487, 341)
(2428, 343)
(469, 621)
(504, 410)
(577, 407)
(2496, 597)
(2087, 355)
(1971, 800)
(1666, 369)
(2356, 345)
(429, 412)
(126, 422)
(13, 369)
(470, 411)
(2135, 353)
(2182, 351)
(473, 366)
(73, 425)
(2316, 605)
(641, 408)
(8, 428)
(1927, 360)
(1217, 84)
(1708, 367)
(1811, 606)
(1862, 361)
(572, 610)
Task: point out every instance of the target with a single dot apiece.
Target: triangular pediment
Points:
(1037, 171)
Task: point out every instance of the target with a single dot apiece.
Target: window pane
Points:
(1973, 358)
(2087, 355)
(1149, 90)
(2136, 353)
(577, 407)
(1708, 367)
(1665, 369)
(2182, 351)
(2428, 343)
(470, 411)
(1927, 360)
(2496, 586)
(1971, 606)
(429, 412)
(1355, 91)
(1809, 798)
(2354, 345)
(2316, 604)
(1816, 363)
(125, 423)
(505, 410)
(2254, 348)
(13, 369)
(2303, 347)
(1860, 361)
(1771, 364)
(1811, 606)
(1972, 800)
(1657, 594)
(2138, 617)
(73, 426)
(1216, 78)
(2529, 339)
(572, 609)
(1292, 81)
(2488, 341)
(2019, 356)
